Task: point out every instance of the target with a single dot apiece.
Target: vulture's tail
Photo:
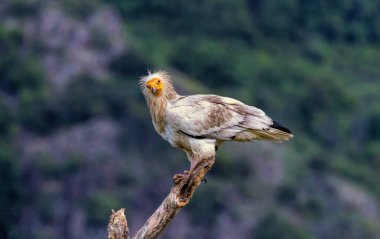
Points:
(275, 132)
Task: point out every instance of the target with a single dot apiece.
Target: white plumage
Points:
(198, 124)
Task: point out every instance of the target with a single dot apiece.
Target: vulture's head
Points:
(156, 84)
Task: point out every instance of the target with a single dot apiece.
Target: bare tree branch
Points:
(179, 196)
(118, 226)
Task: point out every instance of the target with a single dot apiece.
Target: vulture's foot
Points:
(177, 178)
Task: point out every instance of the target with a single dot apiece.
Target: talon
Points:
(177, 178)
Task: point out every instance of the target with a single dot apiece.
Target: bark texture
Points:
(179, 196)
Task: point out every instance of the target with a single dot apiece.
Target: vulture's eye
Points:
(159, 82)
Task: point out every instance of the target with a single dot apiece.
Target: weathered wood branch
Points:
(179, 196)
(118, 226)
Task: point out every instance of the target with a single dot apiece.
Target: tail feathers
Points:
(276, 132)
(280, 127)
(272, 134)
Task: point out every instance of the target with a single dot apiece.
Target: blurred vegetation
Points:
(313, 65)
(10, 192)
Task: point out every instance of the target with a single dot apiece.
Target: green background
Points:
(76, 138)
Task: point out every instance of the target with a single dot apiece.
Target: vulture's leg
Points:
(194, 163)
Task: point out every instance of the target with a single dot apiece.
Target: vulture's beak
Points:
(154, 90)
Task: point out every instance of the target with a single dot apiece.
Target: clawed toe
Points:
(179, 177)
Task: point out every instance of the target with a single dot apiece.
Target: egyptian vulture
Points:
(198, 124)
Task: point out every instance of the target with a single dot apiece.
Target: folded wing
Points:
(222, 118)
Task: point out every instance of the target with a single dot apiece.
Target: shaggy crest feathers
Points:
(163, 75)
(168, 92)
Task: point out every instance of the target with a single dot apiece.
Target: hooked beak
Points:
(154, 90)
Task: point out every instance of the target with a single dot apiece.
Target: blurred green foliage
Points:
(98, 206)
(320, 56)
(274, 226)
(10, 192)
(314, 65)
(20, 75)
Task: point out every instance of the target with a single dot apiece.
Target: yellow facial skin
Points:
(155, 86)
